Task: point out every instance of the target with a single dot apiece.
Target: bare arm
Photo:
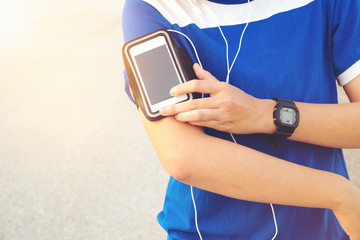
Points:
(232, 110)
(223, 167)
(233, 170)
(339, 124)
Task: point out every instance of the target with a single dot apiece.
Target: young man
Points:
(292, 51)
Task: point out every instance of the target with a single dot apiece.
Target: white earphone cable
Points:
(239, 47)
(192, 44)
(275, 223)
(227, 51)
(191, 187)
(227, 81)
(195, 212)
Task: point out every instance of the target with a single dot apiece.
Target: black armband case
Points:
(183, 64)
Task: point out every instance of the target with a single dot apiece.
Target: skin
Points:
(265, 178)
(230, 109)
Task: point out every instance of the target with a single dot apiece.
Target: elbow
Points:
(177, 163)
(171, 143)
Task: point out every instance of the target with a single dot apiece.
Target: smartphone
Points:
(156, 67)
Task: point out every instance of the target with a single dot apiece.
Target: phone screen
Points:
(157, 72)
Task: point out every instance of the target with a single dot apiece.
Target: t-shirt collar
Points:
(230, 1)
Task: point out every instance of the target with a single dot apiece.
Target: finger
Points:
(203, 74)
(200, 103)
(209, 124)
(192, 86)
(217, 125)
(199, 115)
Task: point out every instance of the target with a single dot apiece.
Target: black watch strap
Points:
(283, 131)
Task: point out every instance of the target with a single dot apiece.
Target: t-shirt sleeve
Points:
(140, 18)
(346, 40)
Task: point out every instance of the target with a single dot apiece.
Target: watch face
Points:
(287, 116)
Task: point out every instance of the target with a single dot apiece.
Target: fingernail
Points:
(172, 92)
(163, 111)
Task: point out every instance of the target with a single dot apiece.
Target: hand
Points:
(349, 214)
(228, 108)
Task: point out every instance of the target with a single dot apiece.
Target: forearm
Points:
(243, 173)
(330, 125)
(229, 109)
(232, 170)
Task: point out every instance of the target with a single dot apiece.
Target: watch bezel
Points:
(283, 128)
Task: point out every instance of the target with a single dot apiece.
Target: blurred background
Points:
(75, 162)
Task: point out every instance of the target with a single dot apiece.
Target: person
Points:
(293, 50)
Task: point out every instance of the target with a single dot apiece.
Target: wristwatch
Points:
(286, 118)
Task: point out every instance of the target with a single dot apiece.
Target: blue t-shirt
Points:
(291, 49)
